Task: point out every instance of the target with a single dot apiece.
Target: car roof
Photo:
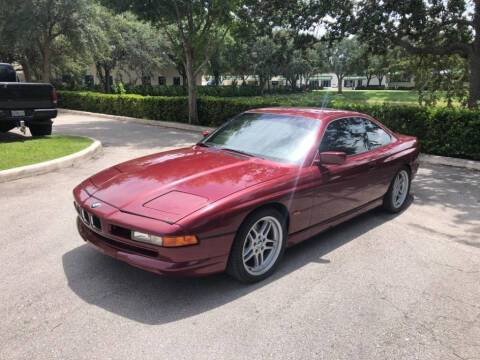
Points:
(307, 112)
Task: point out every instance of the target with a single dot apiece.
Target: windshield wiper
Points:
(202, 144)
(240, 152)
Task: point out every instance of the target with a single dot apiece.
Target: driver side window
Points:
(347, 135)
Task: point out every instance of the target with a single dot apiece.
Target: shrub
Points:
(371, 87)
(147, 107)
(219, 91)
(441, 131)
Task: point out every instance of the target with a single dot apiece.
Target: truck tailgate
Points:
(25, 96)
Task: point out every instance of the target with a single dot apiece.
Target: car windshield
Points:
(280, 138)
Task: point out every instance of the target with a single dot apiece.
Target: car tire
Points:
(41, 129)
(397, 195)
(258, 246)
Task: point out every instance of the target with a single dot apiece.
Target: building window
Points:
(146, 80)
(89, 80)
(274, 83)
(176, 80)
(348, 83)
(162, 80)
(327, 83)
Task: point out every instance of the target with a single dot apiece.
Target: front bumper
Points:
(208, 257)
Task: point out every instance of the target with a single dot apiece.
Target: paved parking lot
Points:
(377, 287)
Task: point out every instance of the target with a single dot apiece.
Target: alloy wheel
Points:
(262, 245)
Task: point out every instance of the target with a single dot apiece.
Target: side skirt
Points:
(307, 233)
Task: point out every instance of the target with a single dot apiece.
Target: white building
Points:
(326, 81)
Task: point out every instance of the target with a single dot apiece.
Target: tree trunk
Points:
(474, 80)
(340, 83)
(192, 90)
(108, 86)
(380, 79)
(369, 78)
(474, 97)
(45, 64)
(216, 78)
(26, 71)
(262, 85)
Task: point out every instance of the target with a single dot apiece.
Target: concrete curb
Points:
(52, 165)
(167, 124)
(449, 161)
(427, 159)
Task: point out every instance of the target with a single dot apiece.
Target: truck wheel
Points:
(40, 129)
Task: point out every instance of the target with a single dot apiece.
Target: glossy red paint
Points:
(209, 192)
(332, 158)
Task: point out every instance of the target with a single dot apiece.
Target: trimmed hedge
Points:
(441, 131)
(218, 91)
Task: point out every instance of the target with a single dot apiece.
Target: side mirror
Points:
(206, 133)
(330, 157)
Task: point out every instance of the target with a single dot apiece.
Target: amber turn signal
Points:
(175, 241)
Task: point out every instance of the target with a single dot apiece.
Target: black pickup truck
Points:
(25, 104)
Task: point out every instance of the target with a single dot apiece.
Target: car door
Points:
(341, 188)
(380, 144)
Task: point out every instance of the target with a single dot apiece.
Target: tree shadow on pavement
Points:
(123, 134)
(152, 299)
(455, 190)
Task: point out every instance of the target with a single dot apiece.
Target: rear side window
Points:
(346, 135)
(377, 137)
(7, 74)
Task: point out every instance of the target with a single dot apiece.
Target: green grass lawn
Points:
(19, 151)
(372, 96)
(325, 97)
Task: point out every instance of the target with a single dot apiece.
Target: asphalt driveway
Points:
(377, 287)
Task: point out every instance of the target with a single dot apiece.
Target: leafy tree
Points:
(424, 27)
(16, 48)
(374, 65)
(341, 57)
(291, 56)
(176, 56)
(436, 77)
(220, 61)
(123, 42)
(263, 60)
(197, 26)
(40, 23)
(238, 54)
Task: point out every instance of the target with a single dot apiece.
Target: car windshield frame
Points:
(315, 123)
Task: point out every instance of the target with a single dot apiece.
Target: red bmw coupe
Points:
(265, 180)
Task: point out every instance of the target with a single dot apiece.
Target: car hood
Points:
(171, 185)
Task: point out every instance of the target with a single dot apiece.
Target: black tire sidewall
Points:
(235, 266)
(41, 129)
